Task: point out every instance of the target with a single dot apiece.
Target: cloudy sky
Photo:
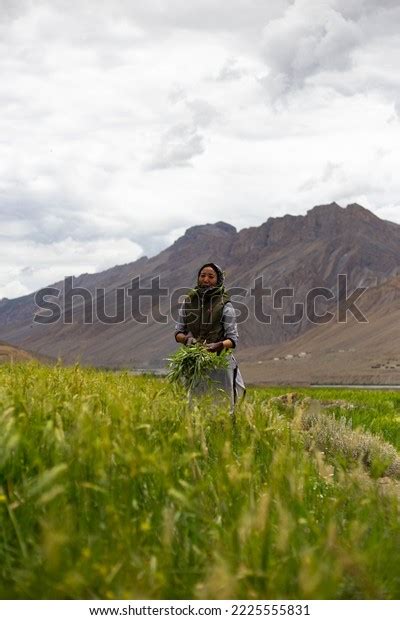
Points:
(123, 123)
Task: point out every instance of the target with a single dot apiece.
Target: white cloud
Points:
(230, 71)
(48, 261)
(177, 147)
(120, 126)
(334, 43)
(310, 38)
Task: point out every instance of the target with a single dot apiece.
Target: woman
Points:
(207, 316)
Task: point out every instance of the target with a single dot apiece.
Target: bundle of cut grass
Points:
(192, 364)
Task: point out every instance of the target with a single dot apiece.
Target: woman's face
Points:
(208, 277)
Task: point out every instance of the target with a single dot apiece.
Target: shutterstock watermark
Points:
(157, 304)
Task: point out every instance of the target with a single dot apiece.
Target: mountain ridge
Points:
(323, 209)
(300, 251)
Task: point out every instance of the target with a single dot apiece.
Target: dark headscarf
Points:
(200, 291)
(218, 271)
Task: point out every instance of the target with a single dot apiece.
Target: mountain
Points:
(302, 252)
(9, 353)
(351, 353)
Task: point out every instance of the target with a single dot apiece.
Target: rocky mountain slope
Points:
(302, 252)
(9, 353)
(350, 353)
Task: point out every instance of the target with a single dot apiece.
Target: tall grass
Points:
(111, 487)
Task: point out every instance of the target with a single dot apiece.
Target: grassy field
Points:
(111, 487)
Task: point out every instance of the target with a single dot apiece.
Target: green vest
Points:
(203, 314)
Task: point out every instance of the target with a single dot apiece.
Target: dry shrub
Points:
(337, 438)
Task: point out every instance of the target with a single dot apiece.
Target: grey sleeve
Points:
(230, 324)
(180, 325)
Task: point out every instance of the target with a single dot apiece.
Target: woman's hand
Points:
(185, 339)
(190, 340)
(215, 347)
